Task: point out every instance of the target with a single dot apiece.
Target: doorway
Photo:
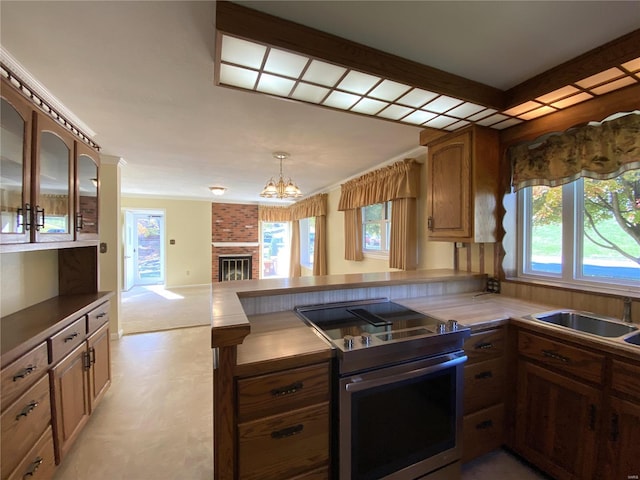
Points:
(144, 256)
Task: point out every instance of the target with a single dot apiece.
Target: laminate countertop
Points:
(282, 340)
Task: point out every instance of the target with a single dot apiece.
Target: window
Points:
(587, 231)
(376, 227)
(307, 239)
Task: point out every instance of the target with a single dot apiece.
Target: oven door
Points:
(401, 422)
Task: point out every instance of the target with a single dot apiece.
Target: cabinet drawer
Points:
(484, 345)
(98, 317)
(318, 474)
(625, 378)
(284, 445)
(67, 339)
(21, 374)
(483, 384)
(39, 463)
(483, 431)
(283, 391)
(23, 423)
(569, 359)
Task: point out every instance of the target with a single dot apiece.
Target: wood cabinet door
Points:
(556, 422)
(100, 371)
(15, 165)
(622, 440)
(449, 185)
(70, 398)
(87, 184)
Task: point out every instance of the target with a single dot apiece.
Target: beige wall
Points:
(188, 222)
(431, 255)
(27, 278)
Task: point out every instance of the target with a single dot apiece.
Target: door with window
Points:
(144, 262)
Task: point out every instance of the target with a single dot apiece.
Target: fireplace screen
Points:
(234, 268)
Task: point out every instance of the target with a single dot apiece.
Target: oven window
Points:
(399, 424)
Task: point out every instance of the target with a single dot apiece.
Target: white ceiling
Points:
(140, 75)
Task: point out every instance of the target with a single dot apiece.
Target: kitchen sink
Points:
(634, 339)
(588, 323)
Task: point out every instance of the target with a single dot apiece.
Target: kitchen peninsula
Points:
(272, 379)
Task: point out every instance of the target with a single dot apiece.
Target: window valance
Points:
(315, 206)
(273, 214)
(599, 151)
(399, 180)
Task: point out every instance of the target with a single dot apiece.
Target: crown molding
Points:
(20, 71)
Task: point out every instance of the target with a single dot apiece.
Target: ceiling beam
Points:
(250, 24)
(611, 54)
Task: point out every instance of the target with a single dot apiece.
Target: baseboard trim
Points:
(117, 335)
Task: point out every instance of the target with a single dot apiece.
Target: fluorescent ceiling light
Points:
(341, 100)
(275, 85)
(369, 106)
(323, 73)
(388, 90)
(310, 93)
(241, 52)
(442, 104)
(285, 63)
(238, 77)
(357, 82)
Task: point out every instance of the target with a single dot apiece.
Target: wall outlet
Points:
(493, 285)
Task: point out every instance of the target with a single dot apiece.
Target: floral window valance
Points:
(601, 151)
(399, 180)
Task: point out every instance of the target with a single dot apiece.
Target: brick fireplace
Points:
(234, 232)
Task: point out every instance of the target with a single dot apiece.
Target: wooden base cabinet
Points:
(78, 382)
(484, 381)
(557, 421)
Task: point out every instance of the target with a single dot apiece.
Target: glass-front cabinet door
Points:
(53, 210)
(87, 185)
(15, 166)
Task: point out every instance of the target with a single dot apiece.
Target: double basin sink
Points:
(590, 323)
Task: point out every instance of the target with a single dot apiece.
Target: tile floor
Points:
(155, 422)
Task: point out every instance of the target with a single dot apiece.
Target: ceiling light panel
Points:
(285, 63)
(238, 77)
(442, 104)
(389, 90)
(457, 125)
(633, 65)
(417, 98)
(419, 117)
(275, 85)
(536, 113)
(522, 108)
(610, 87)
(601, 77)
(356, 82)
(558, 94)
(572, 100)
(492, 120)
(369, 106)
(464, 110)
(241, 52)
(323, 73)
(506, 123)
(309, 93)
(483, 114)
(395, 112)
(440, 122)
(341, 100)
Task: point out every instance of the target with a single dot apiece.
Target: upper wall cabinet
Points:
(54, 179)
(87, 184)
(462, 186)
(15, 167)
(49, 179)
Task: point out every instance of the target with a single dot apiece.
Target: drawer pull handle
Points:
(483, 375)
(35, 465)
(287, 432)
(556, 356)
(614, 428)
(24, 372)
(287, 390)
(101, 314)
(71, 337)
(28, 409)
(484, 425)
(483, 345)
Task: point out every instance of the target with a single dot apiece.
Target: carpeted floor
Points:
(153, 308)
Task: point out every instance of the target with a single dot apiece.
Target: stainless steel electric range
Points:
(397, 390)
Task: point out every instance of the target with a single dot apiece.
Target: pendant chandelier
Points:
(282, 188)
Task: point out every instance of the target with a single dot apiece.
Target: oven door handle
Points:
(358, 383)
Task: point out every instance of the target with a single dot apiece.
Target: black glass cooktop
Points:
(336, 321)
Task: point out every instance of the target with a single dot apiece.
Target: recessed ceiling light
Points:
(238, 77)
(323, 73)
(567, 102)
(275, 85)
(357, 82)
(388, 90)
(558, 94)
(241, 52)
(341, 100)
(632, 65)
(369, 106)
(285, 63)
(309, 93)
(599, 78)
(522, 108)
(442, 104)
(610, 87)
(417, 97)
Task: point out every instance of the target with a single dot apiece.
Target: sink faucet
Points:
(626, 311)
